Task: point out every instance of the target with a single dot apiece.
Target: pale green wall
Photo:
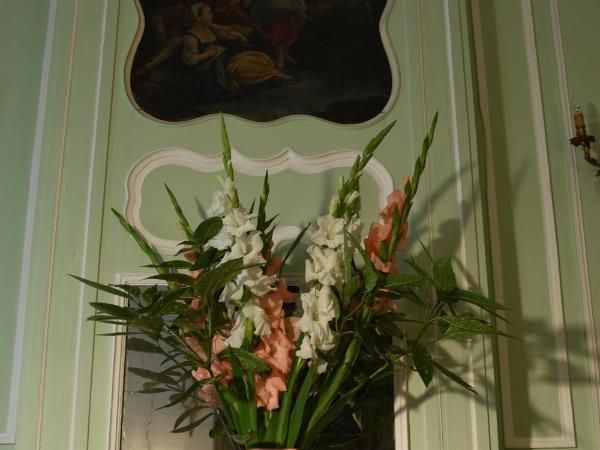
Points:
(436, 73)
(536, 244)
(22, 39)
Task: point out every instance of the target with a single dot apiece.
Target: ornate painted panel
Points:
(262, 60)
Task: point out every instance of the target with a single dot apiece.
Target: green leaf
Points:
(443, 275)
(209, 282)
(154, 376)
(423, 363)
(174, 277)
(204, 259)
(178, 398)
(175, 264)
(182, 219)
(455, 378)
(463, 327)
(476, 299)
(103, 287)
(246, 359)
(115, 311)
(293, 247)
(192, 425)
(297, 415)
(208, 229)
(262, 205)
(142, 345)
(149, 325)
(134, 291)
(139, 239)
(351, 287)
(405, 281)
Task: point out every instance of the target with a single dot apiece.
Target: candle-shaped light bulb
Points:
(578, 115)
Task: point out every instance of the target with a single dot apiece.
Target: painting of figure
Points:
(261, 60)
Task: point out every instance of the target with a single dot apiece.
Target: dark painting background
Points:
(343, 71)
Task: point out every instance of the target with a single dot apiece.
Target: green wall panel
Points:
(22, 39)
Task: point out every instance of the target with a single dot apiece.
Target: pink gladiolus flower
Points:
(268, 389)
(382, 234)
(274, 267)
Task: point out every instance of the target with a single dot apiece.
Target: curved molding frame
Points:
(385, 40)
(288, 159)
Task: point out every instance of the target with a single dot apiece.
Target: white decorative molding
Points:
(580, 239)
(286, 160)
(8, 436)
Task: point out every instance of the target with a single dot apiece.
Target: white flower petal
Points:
(254, 312)
(238, 332)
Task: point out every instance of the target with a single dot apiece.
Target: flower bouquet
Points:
(277, 372)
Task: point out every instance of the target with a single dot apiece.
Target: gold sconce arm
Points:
(582, 139)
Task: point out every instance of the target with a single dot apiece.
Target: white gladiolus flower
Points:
(249, 246)
(254, 278)
(306, 351)
(222, 241)
(330, 232)
(228, 185)
(238, 332)
(232, 292)
(324, 265)
(220, 205)
(319, 309)
(254, 312)
(237, 222)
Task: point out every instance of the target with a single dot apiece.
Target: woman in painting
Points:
(207, 48)
(283, 20)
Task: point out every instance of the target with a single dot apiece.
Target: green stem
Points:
(286, 402)
(340, 376)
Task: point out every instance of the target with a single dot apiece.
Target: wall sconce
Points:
(582, 139)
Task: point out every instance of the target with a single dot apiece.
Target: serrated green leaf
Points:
(404, 281)
(423, 363)
(476, 299)
(463, 327)
(455, 378)
(443, 275)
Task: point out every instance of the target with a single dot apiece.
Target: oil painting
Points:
(262, 60)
